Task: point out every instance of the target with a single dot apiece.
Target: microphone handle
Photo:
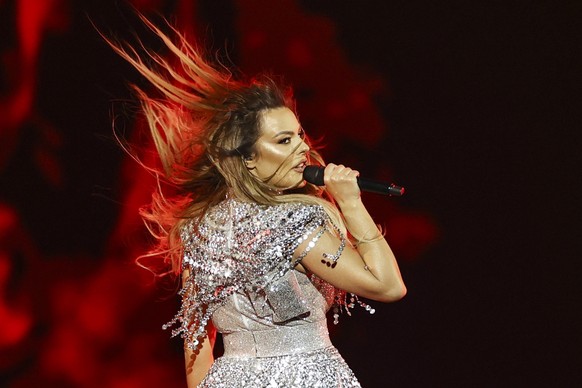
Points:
(378, 187)
(314, 175)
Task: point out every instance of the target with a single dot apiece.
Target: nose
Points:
(303, 147)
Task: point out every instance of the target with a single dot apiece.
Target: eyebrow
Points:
(288, 132)
(284, 133)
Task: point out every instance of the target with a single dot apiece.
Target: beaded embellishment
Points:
(331, 260)
(242, 246)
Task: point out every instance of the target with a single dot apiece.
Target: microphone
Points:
(314, 175)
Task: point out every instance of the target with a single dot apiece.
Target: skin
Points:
(370, 270)
(280, 154)
(199, 362)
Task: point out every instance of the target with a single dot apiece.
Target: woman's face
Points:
(280, 152)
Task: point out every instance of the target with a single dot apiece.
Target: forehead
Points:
(279, 120)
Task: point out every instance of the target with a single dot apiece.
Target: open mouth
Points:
(300, 167)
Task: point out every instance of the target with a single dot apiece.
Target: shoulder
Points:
(247, 215)
(235, 221)
(241, 220)
(292, 212)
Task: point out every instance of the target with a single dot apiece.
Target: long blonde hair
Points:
(203, 123)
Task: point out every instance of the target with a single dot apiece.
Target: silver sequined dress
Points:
(271, 316)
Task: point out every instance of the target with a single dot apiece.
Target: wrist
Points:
(368, 237)
(352, 204)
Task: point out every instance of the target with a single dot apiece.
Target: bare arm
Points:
(199, 361)
(369, 270)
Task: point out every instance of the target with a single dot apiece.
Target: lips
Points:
(301, 166)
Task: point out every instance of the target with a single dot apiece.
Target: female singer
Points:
(262, 254)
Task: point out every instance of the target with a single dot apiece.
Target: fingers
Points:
(339, 173)
(341, 182)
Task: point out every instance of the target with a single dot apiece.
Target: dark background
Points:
(478, 105)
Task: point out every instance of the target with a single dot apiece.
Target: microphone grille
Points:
(313, 175)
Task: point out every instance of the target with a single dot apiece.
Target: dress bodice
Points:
(241, 260)
(241, 269)
(247, 311)
(246, 320)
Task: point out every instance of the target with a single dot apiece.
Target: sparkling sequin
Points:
(247, 247)
(273, 318)
(323, 368)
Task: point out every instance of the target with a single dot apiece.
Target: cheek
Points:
(274, 156)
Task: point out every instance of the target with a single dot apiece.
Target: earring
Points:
(246, 160)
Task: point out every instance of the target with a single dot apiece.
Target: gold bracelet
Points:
(378, 237)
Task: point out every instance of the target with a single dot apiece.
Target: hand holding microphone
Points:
(315, 175)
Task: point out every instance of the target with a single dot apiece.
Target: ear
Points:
(250, 161)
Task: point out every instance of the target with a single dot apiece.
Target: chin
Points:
(295, 186)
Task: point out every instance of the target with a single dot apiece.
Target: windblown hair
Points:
(203, 122)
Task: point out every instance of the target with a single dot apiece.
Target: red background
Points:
(471, 106)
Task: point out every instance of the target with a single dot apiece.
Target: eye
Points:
(285, 140)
